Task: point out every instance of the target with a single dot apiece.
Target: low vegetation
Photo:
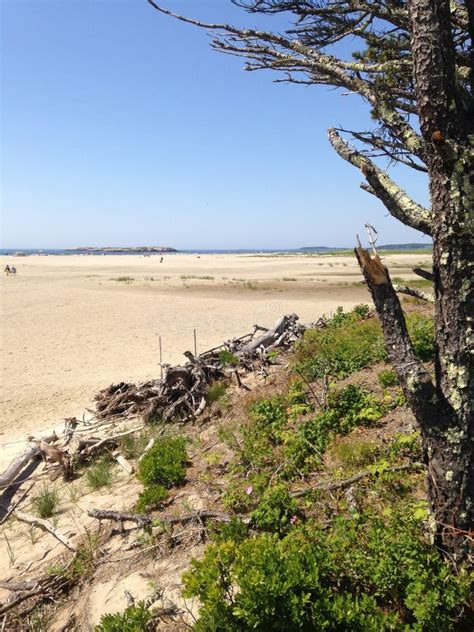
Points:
(123, 279)
(136, 618)
(99, 474)
(329, 528)
(47, 502)
(352, 341)
(366, 572)
(162, 467)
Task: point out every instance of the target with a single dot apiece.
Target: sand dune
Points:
(72, 325)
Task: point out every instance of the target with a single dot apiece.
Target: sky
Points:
(121, 126)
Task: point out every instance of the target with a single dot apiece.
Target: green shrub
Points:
(347, 408)
(242, 495)
(234, 530)
(47, 502)
(369, 573)
(387, 377)
(165, 463)
(150, 498)
(135, 618)
(100, 474)
(215, 391)
(406, 445)
(276, 511)
(269, 413)
(133, 445)
(272, 436)
(354, 452)
(348, 344)
(226, 358)
(421, 330)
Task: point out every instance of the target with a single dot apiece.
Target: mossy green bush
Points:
(421, 330)
(165, 463)
(150, 498)
(346, 408)
(369, 573)
(136, 618)
(349, 343)
(276, 511)
(352, 341)
(387, 377)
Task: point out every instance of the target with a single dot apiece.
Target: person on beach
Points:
(13, 270)
(7, 270)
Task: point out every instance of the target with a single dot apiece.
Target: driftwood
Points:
(46, 586)
(124, 464)
(18, 586)
(181, 393)
(46, 526)
(13, 506)
(91, 446)
(344, 484)
(143, 520)
(18, 464)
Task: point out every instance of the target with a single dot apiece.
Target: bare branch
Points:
(424, 274)
(394, 198)
(46, 526)
(411, 291)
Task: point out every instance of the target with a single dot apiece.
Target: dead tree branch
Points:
(46, 526)
(404, 289)
(333, 485)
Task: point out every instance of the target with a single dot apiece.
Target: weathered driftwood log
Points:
(269, 337)
(46, 586)
(18, 586)
(16, 466)
(143, 520)
(181, 393)
(94, 445)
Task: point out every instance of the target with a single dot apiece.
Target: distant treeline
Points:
(413, 246)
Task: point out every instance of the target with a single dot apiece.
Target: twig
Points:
(327, 487)
(13, 507)
(46, 526)
(141, 520)
(88, 451)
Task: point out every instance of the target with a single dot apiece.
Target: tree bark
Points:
(445, 124)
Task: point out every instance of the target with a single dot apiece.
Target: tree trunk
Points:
(449, 438)
(447, 130)
(443, 409)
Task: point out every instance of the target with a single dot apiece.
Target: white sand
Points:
(69, 328)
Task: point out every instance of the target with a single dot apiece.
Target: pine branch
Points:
(393, 197)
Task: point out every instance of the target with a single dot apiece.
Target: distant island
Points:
(125, 249)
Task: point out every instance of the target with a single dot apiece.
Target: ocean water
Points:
(66, 252)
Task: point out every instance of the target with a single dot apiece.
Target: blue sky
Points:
(121, 126)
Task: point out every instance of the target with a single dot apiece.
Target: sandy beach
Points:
(72, 325)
